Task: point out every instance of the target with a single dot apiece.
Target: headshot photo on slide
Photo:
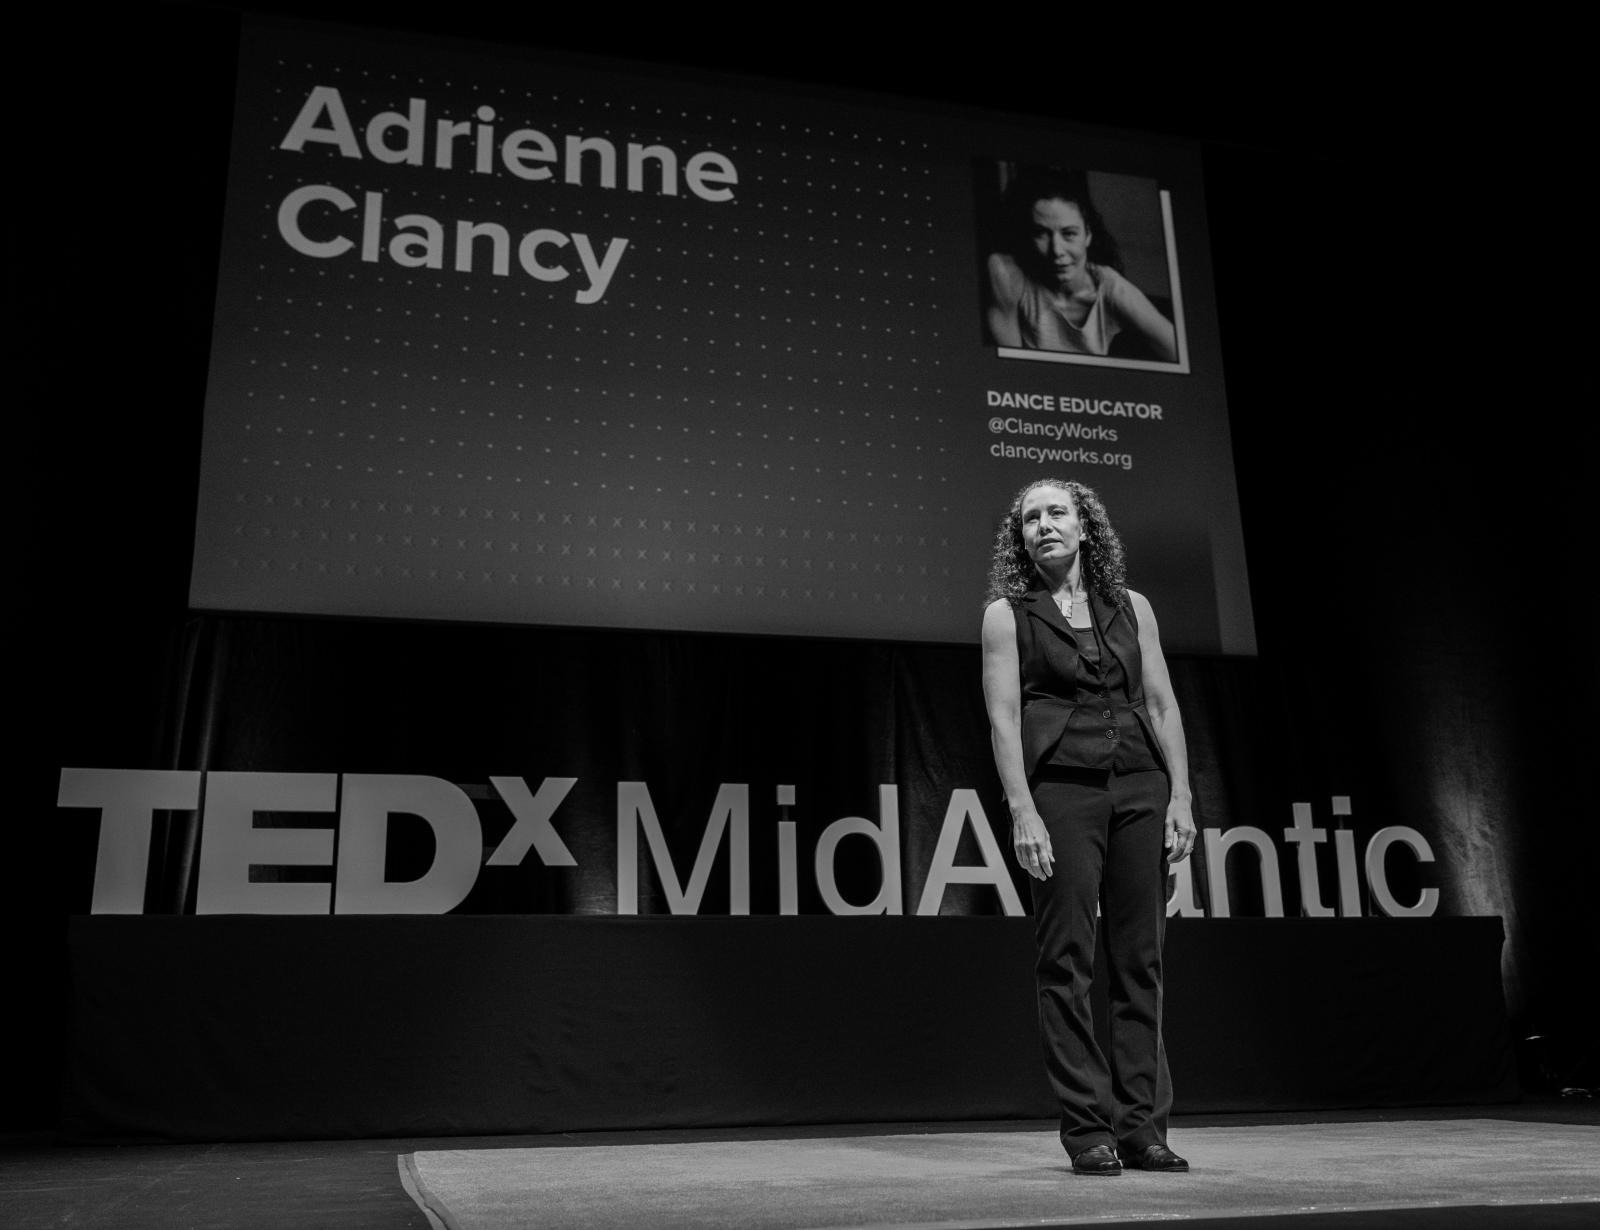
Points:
(1078, 266)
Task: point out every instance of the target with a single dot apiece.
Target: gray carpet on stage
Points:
(1004, 1178)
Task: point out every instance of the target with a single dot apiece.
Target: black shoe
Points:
(1100, 1159)
(1155, 1157)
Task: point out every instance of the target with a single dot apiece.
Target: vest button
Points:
(1111, 734)
(1107, 713)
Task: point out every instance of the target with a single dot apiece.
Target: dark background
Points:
(1403, 285)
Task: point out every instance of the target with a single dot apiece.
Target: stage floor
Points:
(1534, 1164)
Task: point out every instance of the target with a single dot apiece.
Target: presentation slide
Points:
(506, 339)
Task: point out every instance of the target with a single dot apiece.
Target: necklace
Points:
(1066, 602)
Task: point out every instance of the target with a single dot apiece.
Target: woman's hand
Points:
(1032, 844)
(1180, 830)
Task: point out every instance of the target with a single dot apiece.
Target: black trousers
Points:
(1106, 833)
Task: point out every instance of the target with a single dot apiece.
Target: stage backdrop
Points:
(511, 340)
(535, 789)
(361, 767)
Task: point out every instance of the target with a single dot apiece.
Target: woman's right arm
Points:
(1005, 289)
(1002, 697)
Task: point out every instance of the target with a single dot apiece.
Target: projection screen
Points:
(506, 339)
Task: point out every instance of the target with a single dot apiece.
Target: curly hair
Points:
(1101, 556)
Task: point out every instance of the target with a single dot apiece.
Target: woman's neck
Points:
(1080, 286)
(1066, 579)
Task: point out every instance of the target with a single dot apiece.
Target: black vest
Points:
(1047, 658)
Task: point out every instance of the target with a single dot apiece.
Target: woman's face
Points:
(1062, 238)
(1051, 530)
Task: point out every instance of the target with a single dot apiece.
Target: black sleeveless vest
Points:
(1047, 657)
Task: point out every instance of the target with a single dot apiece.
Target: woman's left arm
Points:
(1164, 716)
(1133, 306)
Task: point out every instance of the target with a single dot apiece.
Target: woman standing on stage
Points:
(1090, 751)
